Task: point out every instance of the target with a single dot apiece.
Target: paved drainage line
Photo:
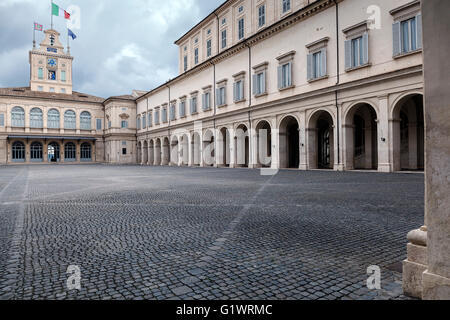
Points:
(219, 243)
(9, 281)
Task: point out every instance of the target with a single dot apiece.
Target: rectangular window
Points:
(238, 91)
(194, 105)
(138, 123)
(317, 65)
(52, 89)
(150, 124)
(109, 124)
(63, 76)
(208, 48)
(409, 35)
(156, 117)
(40, 88)
(196, 56)
(221, 96)
(182, 109)
(259, 83)
(123, 125)
(286, 5)
(206, 101)
(357, 52)
(285, 75)
(261, 16)
(124, 151)
(241, 29)
(224, 39)
(41, 73)
(164, 115)
(185, 62)
(172, 112)
(63, 90)
(2, 120)
(99, 124)
(144, 121)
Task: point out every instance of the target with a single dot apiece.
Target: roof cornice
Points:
(295, 17)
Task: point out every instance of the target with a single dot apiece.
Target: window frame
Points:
(261, 15)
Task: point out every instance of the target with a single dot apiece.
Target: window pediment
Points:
(406, 11)
(356, 30)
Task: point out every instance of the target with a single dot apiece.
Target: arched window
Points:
(36, 118)
(18, 117)
(70, 120)
(86, 152)
(70, 152)
(36, 151)
(18, 151)
(85, 121)
(53, 119)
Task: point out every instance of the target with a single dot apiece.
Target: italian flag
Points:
(57, 11)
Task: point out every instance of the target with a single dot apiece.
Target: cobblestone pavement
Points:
(203, 233)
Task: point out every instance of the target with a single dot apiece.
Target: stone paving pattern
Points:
(203, 233)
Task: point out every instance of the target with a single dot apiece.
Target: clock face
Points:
(51, 62)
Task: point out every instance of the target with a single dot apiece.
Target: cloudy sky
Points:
(121, 45)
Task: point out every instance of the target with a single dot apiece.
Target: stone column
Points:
(349, 146)
(384, 141)
(302, 141)
(253, 148)
(434, 282)
(275, 139)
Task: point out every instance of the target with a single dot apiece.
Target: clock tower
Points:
(51, 66)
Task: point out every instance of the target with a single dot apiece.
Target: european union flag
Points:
(71, 34)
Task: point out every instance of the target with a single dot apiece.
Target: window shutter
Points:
(235, 92)
(365, 43)
(280, 77)
(203, 102)
(396, 38)
(217, 97)
(255, 84)
(419, 31)
(263, 82)
(241, 90)
(224, 97)
(310, 67)
(348, 54)
(289, 74)
(324, 62)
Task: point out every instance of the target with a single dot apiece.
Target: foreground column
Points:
(434, 282)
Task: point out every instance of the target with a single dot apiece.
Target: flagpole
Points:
(34, 36)
(68, 46)
(51, 13)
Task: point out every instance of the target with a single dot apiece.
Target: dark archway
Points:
(408, 134)
(289, 143)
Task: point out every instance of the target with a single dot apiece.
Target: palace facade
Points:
(263, 83)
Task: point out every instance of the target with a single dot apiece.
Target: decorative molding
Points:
(286, 57)
(318, 44)
(406, 11)
(356, 30)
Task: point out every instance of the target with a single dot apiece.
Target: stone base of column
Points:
(303, 167)
(339, 167)
(415, 263)
(384, 167)
(435, 287)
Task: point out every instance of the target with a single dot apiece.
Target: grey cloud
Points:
(121, 46)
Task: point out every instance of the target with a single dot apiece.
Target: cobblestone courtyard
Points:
(203, 233)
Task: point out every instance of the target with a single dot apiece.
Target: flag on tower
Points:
(38, 27)
(57, 11)
(71, 34)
